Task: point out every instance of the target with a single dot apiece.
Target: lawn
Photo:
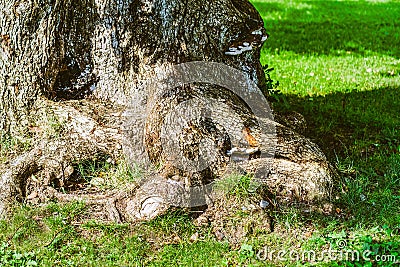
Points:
(338, 64)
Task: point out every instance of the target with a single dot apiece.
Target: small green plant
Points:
(273, 93)
(9, 143)
(235, 184)
(246, 252)
(10, 257)
(105, 173)
(270, 84)
(89, 169)
(55, 126)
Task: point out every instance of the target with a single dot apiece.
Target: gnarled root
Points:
(83, 138)
(299, 172)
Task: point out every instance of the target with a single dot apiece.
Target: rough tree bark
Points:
(84, 61)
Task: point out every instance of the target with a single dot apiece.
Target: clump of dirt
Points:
(235, 218)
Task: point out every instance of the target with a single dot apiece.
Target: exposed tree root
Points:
(300, 171)
(83, 138)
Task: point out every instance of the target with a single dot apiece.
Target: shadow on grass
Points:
(360, 133)
(329, 27)
(339, 121)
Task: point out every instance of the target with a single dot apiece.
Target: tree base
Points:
(300, 172)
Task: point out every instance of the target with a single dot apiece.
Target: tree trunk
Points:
(86, 63)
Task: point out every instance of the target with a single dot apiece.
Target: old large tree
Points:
(82, 63)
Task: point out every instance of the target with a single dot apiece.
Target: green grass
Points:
(338, 63)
